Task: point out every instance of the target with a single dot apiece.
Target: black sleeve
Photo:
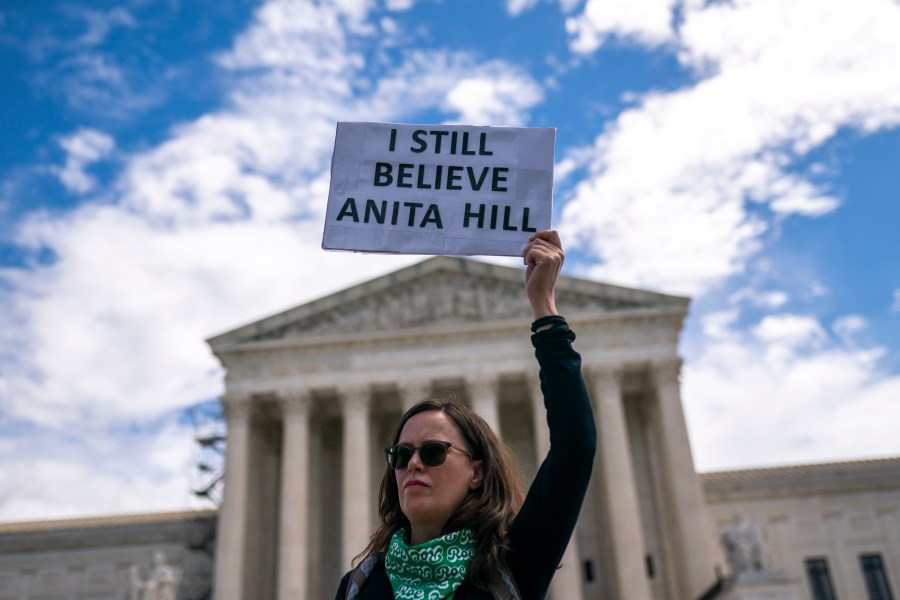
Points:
(342, 589)
(540, 532)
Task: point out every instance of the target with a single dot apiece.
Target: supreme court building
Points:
(313, 393)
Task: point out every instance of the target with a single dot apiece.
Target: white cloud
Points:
(804, 204)
(770, 299)
(794, 330)
(84, 147)
(499, 98)
(821, 401)
(517, 7)
(70, 59)
(100, 24)
(667, 203)
(787, 337)
(846, 328)
(647, 22)
(573, 160)
(355, 9)
(718, 325)
(399, 5)
(56, 476)
(774, 299)
(507, 92)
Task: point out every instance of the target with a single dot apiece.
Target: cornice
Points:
(875, 475)
(104, 531)
(511, 327)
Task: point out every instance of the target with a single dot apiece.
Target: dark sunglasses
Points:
(432, 454)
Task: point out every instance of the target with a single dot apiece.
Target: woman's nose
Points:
(415, 462)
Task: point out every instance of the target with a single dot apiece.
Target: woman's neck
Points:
(423, 533)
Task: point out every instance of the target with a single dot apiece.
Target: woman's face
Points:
(430, 495)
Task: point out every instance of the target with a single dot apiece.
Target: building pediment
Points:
(438, 291)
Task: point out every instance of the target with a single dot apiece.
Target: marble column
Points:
(621, 502)
(694, 563)
(26, 581)
(483, 393)
(539, 415)
(357, 494)
(232, 533)
(413, 391)
(293, 568)
(74, 581)
(566, 584)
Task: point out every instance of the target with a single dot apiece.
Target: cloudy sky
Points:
(164, 173)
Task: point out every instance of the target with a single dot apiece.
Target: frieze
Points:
(9, 583)
(445, 298)
(351, 354)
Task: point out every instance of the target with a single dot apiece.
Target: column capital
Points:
(484, 396)
(483, 383)
(412, 391)
(415, 387)
(666, 371)
(295, 401)
(236, 405)
(607, 373)
(354, 397)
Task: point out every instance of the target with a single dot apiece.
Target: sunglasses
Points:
(432, 454)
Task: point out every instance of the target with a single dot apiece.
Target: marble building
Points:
(124, 557)
(312, 393)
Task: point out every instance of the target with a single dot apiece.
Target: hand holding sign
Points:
(543, 261)
(450, 189)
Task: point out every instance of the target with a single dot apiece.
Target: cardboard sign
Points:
(438, 189)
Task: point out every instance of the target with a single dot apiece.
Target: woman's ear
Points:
(477, 475)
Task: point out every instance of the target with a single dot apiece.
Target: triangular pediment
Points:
(438, 291)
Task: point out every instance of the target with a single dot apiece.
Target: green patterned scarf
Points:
(430, 571)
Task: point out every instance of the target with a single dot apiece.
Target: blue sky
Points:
(164, 171)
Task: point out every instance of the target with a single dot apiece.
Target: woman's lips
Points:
(414, 483)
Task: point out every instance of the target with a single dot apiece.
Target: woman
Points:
(453, 520)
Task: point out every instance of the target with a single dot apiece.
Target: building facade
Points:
(313, 393)
(833, 529)
(109, 558)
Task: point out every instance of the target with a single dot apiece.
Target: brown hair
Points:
(487, 510)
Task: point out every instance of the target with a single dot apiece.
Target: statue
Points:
(161, 584)
(743, 546)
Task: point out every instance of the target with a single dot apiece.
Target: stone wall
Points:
(833, 512)
(96, 559)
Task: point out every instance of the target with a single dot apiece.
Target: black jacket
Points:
(540, 532)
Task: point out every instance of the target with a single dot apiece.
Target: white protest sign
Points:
(438, 189)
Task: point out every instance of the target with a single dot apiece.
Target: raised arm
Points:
(540, 532)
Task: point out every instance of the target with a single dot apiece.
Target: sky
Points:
(164, 168)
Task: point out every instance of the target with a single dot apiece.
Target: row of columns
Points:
(687, 547)
(626, 536)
